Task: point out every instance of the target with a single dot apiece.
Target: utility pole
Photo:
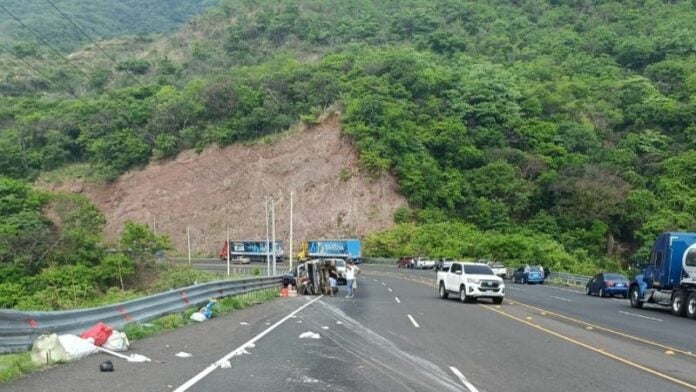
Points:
(268, 244)
(291, 230)
(274, 237)
(188, 241)
(228, 251)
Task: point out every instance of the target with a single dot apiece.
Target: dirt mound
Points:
(226, 187)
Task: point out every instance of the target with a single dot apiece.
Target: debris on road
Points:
(225, 365)
(99, 333)
(325, 327)
(182, 354)
(118, 341)
(205, 313)
(106, 366)
(129, 358)
(76, 347)
(243, 323)
(310, 335)
(47, 350)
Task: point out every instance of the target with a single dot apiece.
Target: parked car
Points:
(443, 264)
(405, 262)
(608, 284)
(424, 263)
(470, 281)
(498, 268)
(527, 274)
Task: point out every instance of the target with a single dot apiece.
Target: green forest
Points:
(561, 132)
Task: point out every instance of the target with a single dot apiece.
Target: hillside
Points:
(226, 186)
(100, 19)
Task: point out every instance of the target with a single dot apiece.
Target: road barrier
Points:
(18, 330)
(570, 279)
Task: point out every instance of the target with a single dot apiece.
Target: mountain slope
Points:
(226, 187)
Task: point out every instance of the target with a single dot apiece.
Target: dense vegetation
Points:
(561, 131)
(98, 18)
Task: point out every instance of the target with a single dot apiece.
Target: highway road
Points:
(397, 335)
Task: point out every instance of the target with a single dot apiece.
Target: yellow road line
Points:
(595, 349)
(594, 326)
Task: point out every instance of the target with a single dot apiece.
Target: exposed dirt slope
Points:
(221, 187)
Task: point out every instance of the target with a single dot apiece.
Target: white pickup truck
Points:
(470, 281)
(424, 263)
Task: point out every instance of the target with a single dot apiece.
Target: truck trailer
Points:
(669, 278)
(348, 249)
(254, 250)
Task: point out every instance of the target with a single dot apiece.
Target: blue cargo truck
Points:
(349, 249)
(254, 250)
(669, 278)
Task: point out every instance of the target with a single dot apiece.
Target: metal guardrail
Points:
(18, 330)
(570, 279)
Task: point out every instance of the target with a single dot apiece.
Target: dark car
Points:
(527, 274)
(443, 264)
(608, 284)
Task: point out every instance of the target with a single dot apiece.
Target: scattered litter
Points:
(76, 347)
(198, 316)
(310, 335)
(129, 358)
(325, 327)
(268, 323)
(118, 341)
(309, 380)
(99, 333)
(299, 321)
(225, 365)
(293, 316)
(244, 323)
(166, 345)
(170, 386)
(241, 351)
(251, 345)
(106, 366)
(182, 354)
(339, 322)
(47, 350)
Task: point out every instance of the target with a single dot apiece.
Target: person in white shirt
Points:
(350, 278)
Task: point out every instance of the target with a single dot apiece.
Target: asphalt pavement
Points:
(397, 335)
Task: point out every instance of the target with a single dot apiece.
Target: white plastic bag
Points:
(198, 316)
(118, 341)
(47, 350)
(76, 347)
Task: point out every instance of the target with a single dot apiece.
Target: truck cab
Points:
(669, 278)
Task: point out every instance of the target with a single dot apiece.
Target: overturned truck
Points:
(312, 277)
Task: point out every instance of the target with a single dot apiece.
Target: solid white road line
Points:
(639, 315)
(397, 300)
(188, 384)
(390, 290)
(463, 379)
(561, 298)
(415, 324)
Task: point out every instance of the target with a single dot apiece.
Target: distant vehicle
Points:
(405, 262)
(608, 284)
(254, 250)
(669, 279)
(348, 249)
(443, 264)
(498, 268)
(471, 281)
(527, 274)
(341, 270)
(424, 263)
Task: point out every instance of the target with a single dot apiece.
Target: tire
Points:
(587, 290)
(634, 295)
(442, 292)
(691, 306)
(678, 305)
(462, 295)
(601, 292)
(498, 300)
(523, 280)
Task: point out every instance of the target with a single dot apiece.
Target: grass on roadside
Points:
(13, 366)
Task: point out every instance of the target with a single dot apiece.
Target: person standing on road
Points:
(350, 278)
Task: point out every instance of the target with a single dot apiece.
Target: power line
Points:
(78, 28)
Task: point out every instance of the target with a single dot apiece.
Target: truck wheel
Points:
(587, 290)
(635, 297)
(462, 295)
(691, 306)
(679, 303)
(443, 293)
(601, 292)
(498, 300)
